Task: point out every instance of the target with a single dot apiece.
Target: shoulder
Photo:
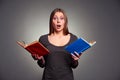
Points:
(73, 36)
(43, 38)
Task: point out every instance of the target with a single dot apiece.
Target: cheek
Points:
(63, 22)
(54, 22)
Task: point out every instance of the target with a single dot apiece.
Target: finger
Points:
(77, 53)
(35, 56)
(39, 57)
(73, 55)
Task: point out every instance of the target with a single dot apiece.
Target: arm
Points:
(75, 57)
(74, 63)
(40, 60)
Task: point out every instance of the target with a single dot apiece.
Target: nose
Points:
(58, 20)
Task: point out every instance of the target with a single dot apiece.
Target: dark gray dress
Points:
(58, 63)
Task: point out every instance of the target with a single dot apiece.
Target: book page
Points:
(92, 42)
(22, 43)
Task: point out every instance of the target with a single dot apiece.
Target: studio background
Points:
(91, 19)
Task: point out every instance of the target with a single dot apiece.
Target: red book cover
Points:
(34, 48)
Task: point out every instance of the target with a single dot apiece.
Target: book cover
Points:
(34, 48)
(79, 46)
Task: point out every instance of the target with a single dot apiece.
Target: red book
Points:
(34, 48)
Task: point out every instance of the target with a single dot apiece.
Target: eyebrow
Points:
(57, 16)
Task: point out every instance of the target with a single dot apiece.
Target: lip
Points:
(58, 25)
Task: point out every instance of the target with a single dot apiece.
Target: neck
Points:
(58, 34)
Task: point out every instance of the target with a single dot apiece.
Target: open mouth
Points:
(58, 26)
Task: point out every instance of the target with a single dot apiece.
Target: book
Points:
(79, 46)
(34, 47)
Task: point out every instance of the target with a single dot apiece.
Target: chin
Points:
(59, 30)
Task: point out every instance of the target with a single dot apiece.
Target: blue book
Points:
(79, 46)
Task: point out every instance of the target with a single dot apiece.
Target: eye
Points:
(54, 18)
(62, 18)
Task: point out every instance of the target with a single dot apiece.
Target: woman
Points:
(58, 63)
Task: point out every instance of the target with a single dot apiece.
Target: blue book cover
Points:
(79, 46)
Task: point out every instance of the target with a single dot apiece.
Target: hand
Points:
(75, 55)
(36, 57)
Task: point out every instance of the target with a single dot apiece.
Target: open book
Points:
(34, 48)
(79, 46)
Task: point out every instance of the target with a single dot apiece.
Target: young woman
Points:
(58, 63)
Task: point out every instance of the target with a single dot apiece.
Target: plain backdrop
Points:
(91, 19)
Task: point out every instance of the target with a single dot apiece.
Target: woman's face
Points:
(58, 21)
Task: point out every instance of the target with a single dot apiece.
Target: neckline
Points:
(60, 46)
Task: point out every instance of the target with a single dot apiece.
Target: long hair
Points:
(51, 29)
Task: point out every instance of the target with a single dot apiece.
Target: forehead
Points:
(58, 14)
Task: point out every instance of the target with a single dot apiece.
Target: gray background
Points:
(91, 19)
